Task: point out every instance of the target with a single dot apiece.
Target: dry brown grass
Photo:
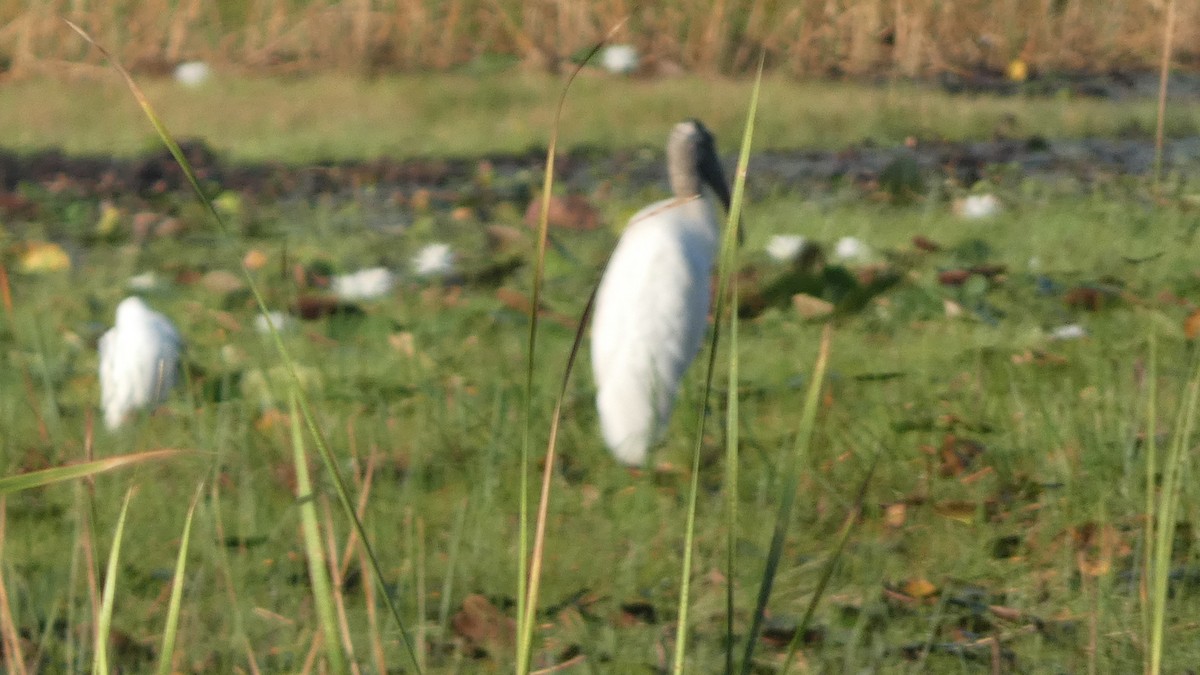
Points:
(800, 37)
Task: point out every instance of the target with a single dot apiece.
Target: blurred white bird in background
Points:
(652, 304)
(434, 260)
(139, 361)
(620, 59)
(367, 284)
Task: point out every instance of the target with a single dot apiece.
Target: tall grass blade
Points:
(1165, 514)
(826, 572)
(1151, 446)
(297, 390)
(314, 549)
(1164, 75)
(790, 473)
(526, 586)
(104, 621)
(58, 474)
(14, 659)
(525, 639)
(725, 271)
(167, 652)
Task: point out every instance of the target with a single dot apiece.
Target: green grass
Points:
(1059, 438)
(1058, 422)
(326, 116)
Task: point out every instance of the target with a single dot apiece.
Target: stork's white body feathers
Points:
(651, 315)
(139, 361)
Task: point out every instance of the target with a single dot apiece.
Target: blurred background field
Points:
(982, 225)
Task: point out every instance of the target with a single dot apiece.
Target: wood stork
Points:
(652, 304)
(139, 361)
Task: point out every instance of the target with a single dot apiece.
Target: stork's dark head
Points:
(692, 162)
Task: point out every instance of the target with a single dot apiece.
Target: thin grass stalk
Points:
(87, 554)
(326, 455)
(539, 538)
(103, 625)
(318, 571)
(789, 484)
(1165, 515)
(727, 276)
(360, 511)
(1151, 445)
(732, 431)
(852, 517)
(529, 573)
(419, 579)
(456, 537)
(166, 652)
(1164, 74)
(336, 582)
(374, 634)
(725, 271)
(239, 630)
(58, 474)
(14, 660)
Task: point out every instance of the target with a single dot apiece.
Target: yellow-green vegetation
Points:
(332, 117)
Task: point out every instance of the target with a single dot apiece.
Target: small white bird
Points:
(192, 73)
(366, 284)
(652, 304)
(434, 260)
(620, 59)
(786, 247)
(851, 249)
(139, 361)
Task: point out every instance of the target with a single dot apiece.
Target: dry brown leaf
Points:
(403, 342)
(811, 308)
(572, 212)
(894, 515)
(1191, 325)
(255, 259)
(957, 510)
(483, 627)
(919, 588)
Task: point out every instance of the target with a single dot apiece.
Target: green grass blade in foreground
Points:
(1165, 515)
(524, 567)
(732, 430)
(790, 478)
(25, 481)
(725, 271)
(539, 536)
(167, 651)
(297, 390)
(852, 517)
(318, 566)
(1151, 444)
(104, 622)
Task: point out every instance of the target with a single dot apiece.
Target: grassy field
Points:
(329, 117)
(1003, 527)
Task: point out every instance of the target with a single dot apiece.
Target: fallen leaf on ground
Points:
(485, 629)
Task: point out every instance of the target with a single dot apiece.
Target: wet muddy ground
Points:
(512, 177)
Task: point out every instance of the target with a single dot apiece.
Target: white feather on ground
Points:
(366, 284)
(785, 247)
(139, 361)
(434, 260)
(851, 249)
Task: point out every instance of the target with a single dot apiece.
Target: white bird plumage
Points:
(139, 361)
(652, 303)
